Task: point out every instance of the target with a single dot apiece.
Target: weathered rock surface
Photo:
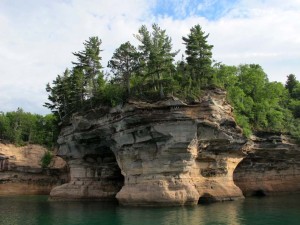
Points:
(271, 167)
(167, 153)
(21, 171)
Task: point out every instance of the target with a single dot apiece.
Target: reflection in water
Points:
(223, 213)
(229, 215)
(33, 210)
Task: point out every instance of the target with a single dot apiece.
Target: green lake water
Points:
(31, 210)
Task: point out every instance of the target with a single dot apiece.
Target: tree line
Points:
(261, 105)
(149, 72)
(21, 128)
(145, 72)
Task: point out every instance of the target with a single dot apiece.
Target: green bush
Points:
(244, 123)
(295, 129)
(46, 159)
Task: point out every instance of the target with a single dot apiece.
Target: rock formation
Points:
(271, 167)
(21, 171)
(165, 153)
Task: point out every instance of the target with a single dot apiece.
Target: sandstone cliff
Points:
(167, 153)
(271, 167)
(21, 171)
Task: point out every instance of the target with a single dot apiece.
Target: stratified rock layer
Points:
(21, 171)
(167, 153)
(271, 167)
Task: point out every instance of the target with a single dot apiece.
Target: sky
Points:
(37, 37)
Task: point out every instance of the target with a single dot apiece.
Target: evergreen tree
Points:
(199, 56)
(293, 86)
(123, 64)
(68, 93)
(88, 61)
(291, 83)
(157, 55)
(60, 96)
(5, 129)
(76, 85)
(296, 91)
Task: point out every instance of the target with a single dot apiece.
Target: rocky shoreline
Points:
(143, 154)
(21, 172)
(166, 153)
(270, 167)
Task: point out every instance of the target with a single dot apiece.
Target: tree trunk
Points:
(128, 84)
(161, 88)
(161, 91)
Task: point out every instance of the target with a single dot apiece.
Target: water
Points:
(31, 210)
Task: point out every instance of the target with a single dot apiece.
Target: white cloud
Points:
(267, 35)
(37, 41)
(38, 37)
(252, 32)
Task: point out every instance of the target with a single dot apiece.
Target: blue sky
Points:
(178, 9)
(37, 37)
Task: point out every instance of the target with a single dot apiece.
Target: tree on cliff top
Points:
(84, 83)
(88, 61)
(157, 55)
(123, 64)
(199, 56)
(148, 73)
(291, 83)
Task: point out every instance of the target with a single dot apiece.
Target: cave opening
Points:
(105, 171)
(206, 199)
(259, 193)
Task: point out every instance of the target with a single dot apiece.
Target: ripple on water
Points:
(33, 210)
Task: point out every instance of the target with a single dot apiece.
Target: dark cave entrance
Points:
(206, 199)
(105, 171)
(259, 193)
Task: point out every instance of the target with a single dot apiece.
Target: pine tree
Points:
(199, 56)
(88, 61)
(60, 94)
(156, 52)
(291, 83)
(123, 64)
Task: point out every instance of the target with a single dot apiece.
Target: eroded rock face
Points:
(167, 153)
(271, 167)
(94, 176)
(21, 171)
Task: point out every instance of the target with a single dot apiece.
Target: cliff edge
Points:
(21, 171)
(167, 153)
(271, 166)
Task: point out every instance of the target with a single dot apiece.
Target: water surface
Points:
(31, 210)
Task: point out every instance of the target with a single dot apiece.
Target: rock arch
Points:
(94, 175)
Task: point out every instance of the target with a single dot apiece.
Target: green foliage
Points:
(294, 105)
(258, 104)
(199, 57)
(88, 61)
(148, 72)
(124, 64)
(295, 129)
(291, 83)
(243, 121)
(156, 57)
(83, 84)
(5, 128)
(20, 128)
(113, 95)
(296, 91)
(46, 159)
